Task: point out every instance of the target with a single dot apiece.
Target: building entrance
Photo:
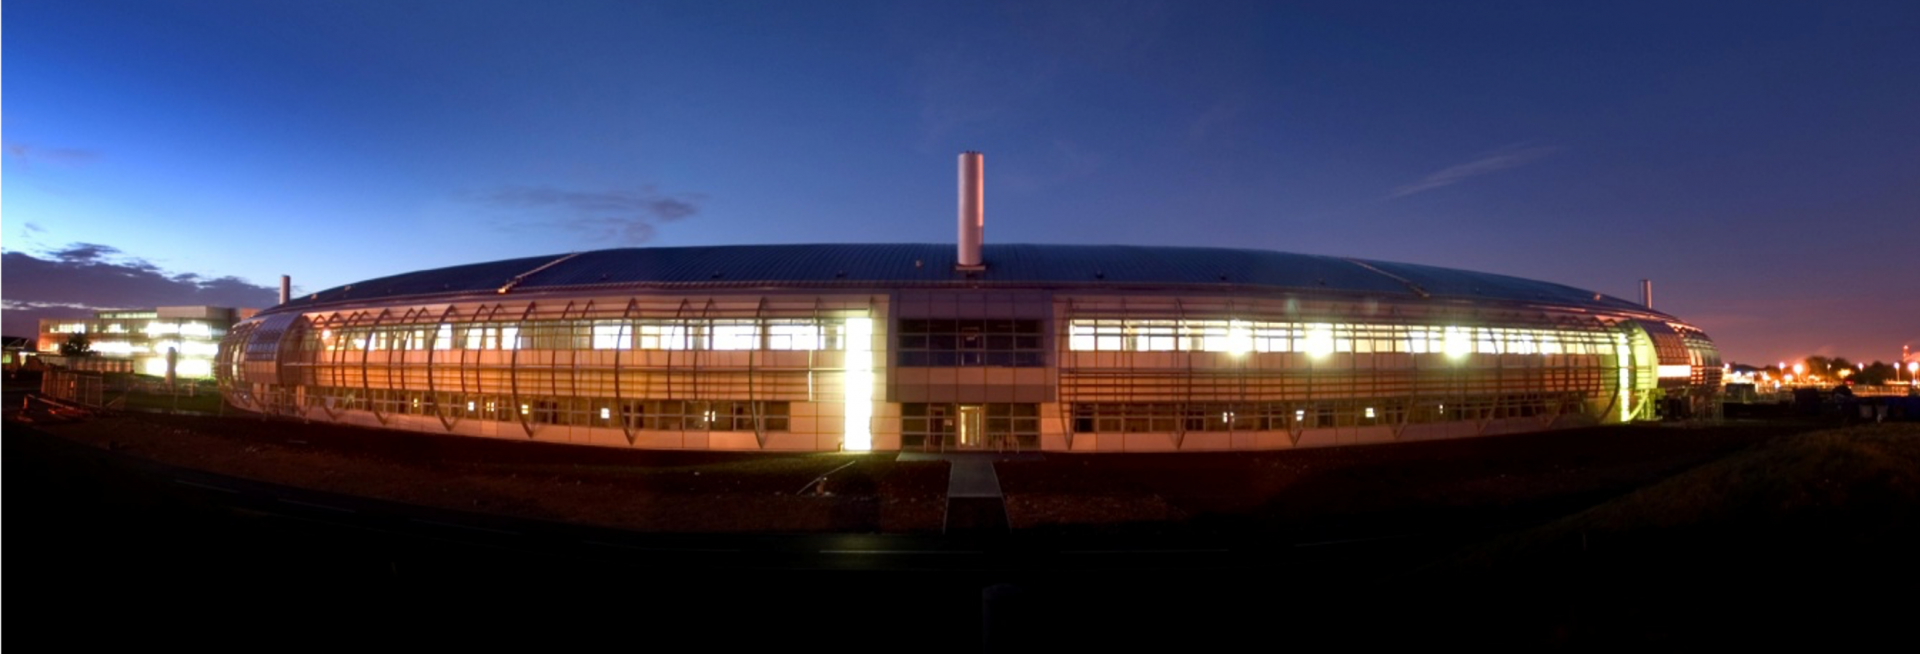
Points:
(971, 427)
(946, 427)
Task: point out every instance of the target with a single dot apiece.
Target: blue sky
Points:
(1759, 161)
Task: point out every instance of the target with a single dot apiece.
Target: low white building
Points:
(142, 337)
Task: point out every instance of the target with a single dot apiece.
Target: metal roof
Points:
(932, 265)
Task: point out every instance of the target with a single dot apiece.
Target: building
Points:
(905, 347)
(137, 340)
(15, 351)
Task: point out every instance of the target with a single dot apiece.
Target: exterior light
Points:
(1239, 338)
(1458, 343)
(1320, 341)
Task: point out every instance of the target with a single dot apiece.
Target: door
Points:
(972, 427)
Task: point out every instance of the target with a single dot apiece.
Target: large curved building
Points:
(908, 347)
(1055, 347)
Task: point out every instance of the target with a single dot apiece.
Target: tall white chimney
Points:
(286, 288)
(1646, 292)
(973, 220)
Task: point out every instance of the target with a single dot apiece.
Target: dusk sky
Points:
(1760, 161)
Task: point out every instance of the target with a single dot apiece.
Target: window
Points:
(698, 415)
(937, 426)
(968, 343)
(1238, 336)
(794, 335)
(1165, 417)
(736, 336)
(612, 336)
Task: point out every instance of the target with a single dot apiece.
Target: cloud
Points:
(84, 252)
(84, 277)
(27, 155)
(1502, 159)
(627, 216)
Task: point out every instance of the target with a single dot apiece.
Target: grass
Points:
(204, 402)
(1437, 484)
(1807, 538)
(1839, 489)
(1740, 535)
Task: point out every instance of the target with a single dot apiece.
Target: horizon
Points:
(1755, 164)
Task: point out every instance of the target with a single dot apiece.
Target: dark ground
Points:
(1347, 547)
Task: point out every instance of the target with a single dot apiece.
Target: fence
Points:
(79, 387)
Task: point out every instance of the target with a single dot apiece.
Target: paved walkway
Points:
(975, 504)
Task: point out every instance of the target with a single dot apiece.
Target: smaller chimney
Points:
(1646, 292)
(286, 288)
(973, 222)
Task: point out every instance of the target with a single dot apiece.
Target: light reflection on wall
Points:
(858, 402)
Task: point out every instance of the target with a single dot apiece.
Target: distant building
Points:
(16, 350)
(137, 340)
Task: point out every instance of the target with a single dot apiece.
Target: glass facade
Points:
(971, 343)
(1084, 372)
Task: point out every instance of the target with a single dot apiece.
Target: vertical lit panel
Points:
(858, 396)
(1624, 359)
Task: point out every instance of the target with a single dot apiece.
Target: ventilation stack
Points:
(286, 288)
(973, 222)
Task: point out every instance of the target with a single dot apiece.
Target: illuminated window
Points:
(656, 336)
(794, 336)
(937, 426)
(736, 336)
(612, 337)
